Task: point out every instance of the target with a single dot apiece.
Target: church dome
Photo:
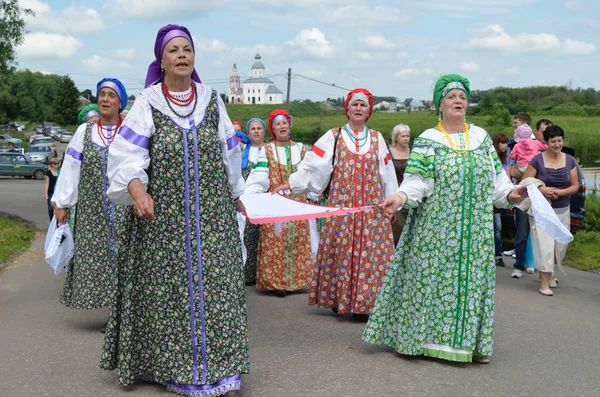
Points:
(257, 63)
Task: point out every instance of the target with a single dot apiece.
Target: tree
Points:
(65, 101)
(407, 103)
(87, 93)
(12, 29)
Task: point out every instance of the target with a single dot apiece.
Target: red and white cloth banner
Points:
(265, 208)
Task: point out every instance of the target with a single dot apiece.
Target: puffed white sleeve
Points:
(314, 172)
(502, 184)
(418, 182)
(387, 173)
(232, 153)
(258, 180)
(66, 191)
(128, 155)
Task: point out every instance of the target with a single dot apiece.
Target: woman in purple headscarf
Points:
(180, 312)
(89, 282)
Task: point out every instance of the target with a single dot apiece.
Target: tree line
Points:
(33, 96)
(553, 100)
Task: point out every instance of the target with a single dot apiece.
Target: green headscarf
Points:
(448, 83)
(83, 113)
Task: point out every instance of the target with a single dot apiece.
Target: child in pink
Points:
(526, 147)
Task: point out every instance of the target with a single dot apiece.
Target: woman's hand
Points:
(239, 206)
(549, 192)
(61, 215)
(281, 188)
(391, 205)
(46, 195)
(519, 194)
(143, 206)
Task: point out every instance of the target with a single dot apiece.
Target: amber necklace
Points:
(464, 147)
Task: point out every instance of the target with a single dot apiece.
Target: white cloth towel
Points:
(59, 246)
(546, 218)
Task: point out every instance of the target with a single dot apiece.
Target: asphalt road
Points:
(544, 346)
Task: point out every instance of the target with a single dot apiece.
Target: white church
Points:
(258, 89)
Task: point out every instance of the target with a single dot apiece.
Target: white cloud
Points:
(412, 72)
(312, 42)
(573, 47)
(35, 6)
(366, 15)
(48, 45)
(469, 67)
(513, 71)
(206, 45)
(494, 37)
(378, 42)
(489, 7)
(75, 18)
(126, 53)
(287, 4)
(99, 64)
(161, 9)
(581, 5)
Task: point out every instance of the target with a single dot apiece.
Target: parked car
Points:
(45, 140)
(39, 129)
(66, 137)
(5, 138)
(39, 154)
(31, 138)
(16, 164)
(57, 135)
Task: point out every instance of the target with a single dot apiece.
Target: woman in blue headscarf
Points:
(254, 142)
(89, 282)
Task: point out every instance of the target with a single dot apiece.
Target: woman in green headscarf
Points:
(88, 114)
(438, 297)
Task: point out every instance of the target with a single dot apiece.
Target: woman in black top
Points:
(50, 178)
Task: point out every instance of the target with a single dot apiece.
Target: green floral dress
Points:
(89, 280)
(180, 312)
(438, 296)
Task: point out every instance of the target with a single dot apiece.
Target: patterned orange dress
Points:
(354, 250)
(285, 261)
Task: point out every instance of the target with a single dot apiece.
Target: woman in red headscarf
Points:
(285, 259)
(353, 162)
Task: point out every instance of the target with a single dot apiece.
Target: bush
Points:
(500, 116)
(591, 222)
(591, 110)
(568, 109)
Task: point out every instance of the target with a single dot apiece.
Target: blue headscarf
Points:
(116, 86)
(246, 139)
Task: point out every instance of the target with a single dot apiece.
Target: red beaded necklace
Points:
(177, 101)
(107, 140)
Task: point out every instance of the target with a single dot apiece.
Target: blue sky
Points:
(393, 48)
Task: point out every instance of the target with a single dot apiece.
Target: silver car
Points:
(39, 154)
(66, 137)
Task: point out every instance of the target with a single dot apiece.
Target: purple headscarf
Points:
(166, 34)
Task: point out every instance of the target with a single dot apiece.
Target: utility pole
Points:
(287, 100)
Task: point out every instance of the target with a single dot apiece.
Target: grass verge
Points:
(584, 251)
(15, 237)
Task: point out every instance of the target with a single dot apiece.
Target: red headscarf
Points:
(361, 91)
(275, 113)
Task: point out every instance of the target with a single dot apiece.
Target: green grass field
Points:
(311, 120)
(14, 238)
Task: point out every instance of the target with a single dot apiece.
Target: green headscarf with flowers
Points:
(448, 83)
